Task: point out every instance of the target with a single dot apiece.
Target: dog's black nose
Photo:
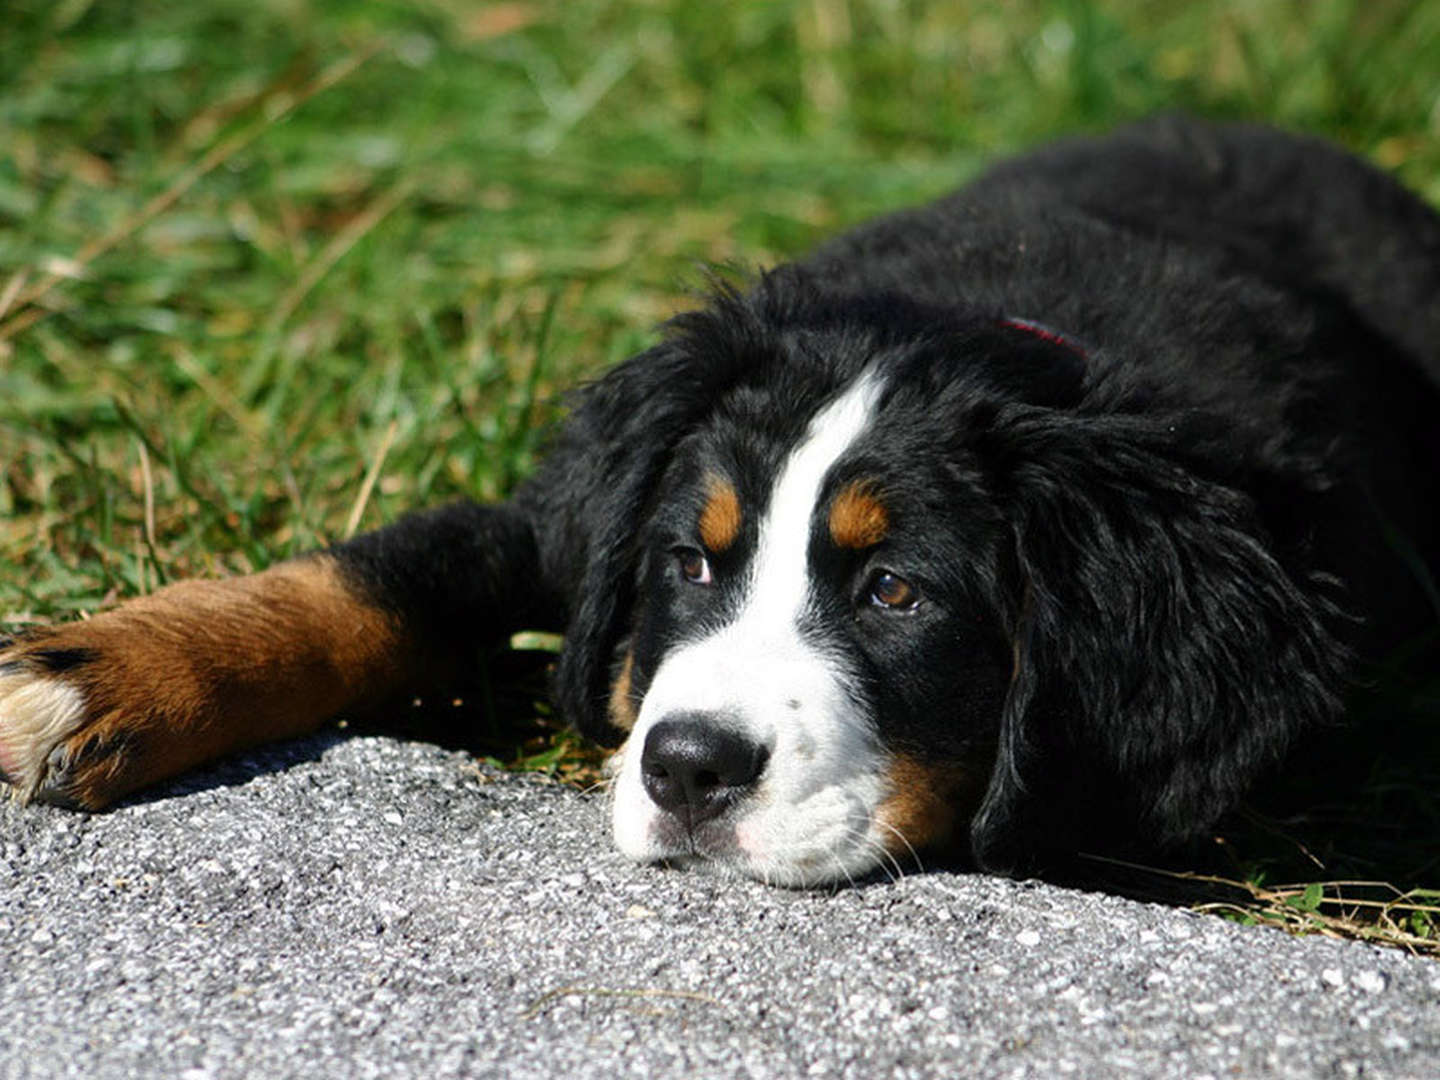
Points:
(695, 767)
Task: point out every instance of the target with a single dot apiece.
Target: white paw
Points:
(37, 712)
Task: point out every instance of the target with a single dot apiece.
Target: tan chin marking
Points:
(928, 805)
(622, 706)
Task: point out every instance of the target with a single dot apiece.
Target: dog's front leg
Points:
(92, 710)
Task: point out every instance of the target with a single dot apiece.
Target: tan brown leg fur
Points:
(93, 710)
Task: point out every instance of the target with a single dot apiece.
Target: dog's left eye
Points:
(694, 567)
(892, 592)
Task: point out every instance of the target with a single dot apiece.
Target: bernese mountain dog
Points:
(1043, 518)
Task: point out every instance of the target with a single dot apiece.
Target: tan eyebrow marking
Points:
(858, 519)
(720, 520)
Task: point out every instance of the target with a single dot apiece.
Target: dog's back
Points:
(1084, 219)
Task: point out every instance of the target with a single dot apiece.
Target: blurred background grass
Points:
(256, 253)
(398, 227)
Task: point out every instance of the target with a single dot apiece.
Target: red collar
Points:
(1046, 333)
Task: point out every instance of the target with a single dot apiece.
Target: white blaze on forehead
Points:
(779, 578)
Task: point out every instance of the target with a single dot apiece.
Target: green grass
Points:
(251, 252)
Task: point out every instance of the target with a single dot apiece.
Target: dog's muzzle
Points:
(695, 766)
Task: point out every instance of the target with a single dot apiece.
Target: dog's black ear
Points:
(598, 483)
(1164, 655)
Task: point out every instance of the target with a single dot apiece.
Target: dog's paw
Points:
(51, 749)
(93, 710)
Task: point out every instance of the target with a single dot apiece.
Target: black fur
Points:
(1161, 546)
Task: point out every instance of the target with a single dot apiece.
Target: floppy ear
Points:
(1164, 653)
(598, 483)
(597, 486)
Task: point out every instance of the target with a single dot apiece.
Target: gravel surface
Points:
(371, 907)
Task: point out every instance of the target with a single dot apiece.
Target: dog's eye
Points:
(892, 592)
(694, 567)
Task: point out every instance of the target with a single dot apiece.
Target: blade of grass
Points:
(372, 474)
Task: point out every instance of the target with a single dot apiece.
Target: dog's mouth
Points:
(834, 833)
(678, 842)
(717, 848)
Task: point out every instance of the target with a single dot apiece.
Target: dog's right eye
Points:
(892, 592)
(694, 567)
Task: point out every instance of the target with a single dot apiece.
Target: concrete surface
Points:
(371, 907)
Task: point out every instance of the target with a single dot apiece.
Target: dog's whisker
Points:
(909, 847)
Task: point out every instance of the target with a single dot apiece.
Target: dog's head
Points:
(873, 581)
